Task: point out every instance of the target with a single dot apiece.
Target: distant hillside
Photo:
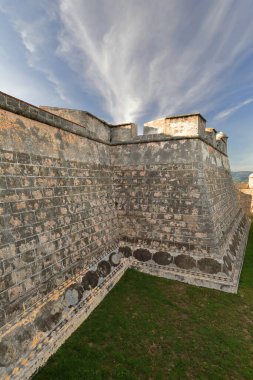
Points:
(241, 176)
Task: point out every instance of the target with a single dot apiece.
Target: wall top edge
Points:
(76, 110)
(185, 115)
(162, 137)
(23, 108)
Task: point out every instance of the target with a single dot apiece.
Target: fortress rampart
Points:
(82, 200)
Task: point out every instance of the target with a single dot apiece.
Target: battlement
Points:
(179, 125)
(83, 200)
(191, 125)
(90, 126)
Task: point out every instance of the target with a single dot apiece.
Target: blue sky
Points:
(135, 60)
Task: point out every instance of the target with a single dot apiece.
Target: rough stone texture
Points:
(193, 125)
(98, 127)
(181, 125)
(124, 132)
(27, 344)
(82, 200)
(57, 208)
(92, 123)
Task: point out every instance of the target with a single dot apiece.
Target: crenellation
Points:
(210, 136)
(192, 125)
(91, 123)
(83, 200)
(123, 132)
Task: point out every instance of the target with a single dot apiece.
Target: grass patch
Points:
(153, 328)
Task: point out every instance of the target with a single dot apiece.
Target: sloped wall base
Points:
(27, 343)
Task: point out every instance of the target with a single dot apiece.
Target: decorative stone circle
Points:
(103, 269)
(73, 295)
(90, 280)
(126, 251)
(184, 262)
(208, 265)
(115, 258)
(142, 254)
(162, 258)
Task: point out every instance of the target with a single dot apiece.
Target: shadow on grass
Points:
(153, 328)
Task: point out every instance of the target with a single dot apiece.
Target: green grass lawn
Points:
(153, 328)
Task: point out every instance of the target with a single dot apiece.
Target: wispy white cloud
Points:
(30, 34)
(229, 111)
(34, 34)
(137, 54)
(139, 59)
(134, 60)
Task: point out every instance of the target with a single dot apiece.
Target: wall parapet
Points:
(20, 107)
(190, 126)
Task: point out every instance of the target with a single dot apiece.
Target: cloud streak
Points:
(135, 60)
(229, 111)
(34, 33)
(138, 60)
(137, 55)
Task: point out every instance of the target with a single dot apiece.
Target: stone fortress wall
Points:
(83, 200)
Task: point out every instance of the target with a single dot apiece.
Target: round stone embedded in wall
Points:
(114, 258)
(126, 251)
(103, 269)
(90, 280)
(142, 254)
(49, 316)
(162, 258)
(208, 265)
(184, 262)
(73, 295)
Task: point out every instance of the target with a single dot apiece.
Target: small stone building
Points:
(245, 193)
(251, 181)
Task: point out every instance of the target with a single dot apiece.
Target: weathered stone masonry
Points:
(82, 200)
